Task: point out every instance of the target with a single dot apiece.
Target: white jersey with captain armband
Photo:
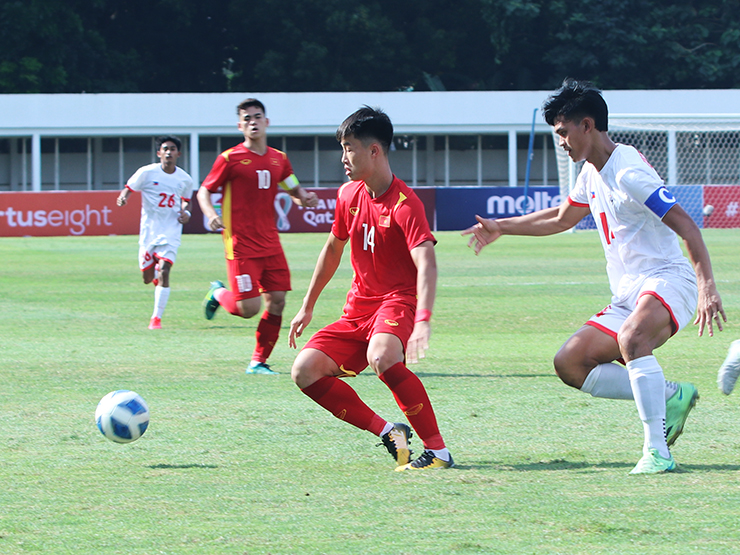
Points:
(161, 195)
(628, 201)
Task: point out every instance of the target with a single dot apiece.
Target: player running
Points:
(165, 206)
(248, 176)
(654, 288)
(386, 317)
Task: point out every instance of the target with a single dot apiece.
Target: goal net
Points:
(699, 160)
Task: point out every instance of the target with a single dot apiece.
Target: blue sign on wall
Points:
(457, 206)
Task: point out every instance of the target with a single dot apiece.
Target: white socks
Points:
(648, 388)
(161, 296)
(612, 381)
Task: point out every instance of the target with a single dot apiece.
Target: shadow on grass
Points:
(556, 464)
(180, 466)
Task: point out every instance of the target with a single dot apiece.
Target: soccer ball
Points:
(708, 210)
(122, 416)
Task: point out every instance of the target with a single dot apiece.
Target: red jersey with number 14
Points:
(382, 232)
(249, 183)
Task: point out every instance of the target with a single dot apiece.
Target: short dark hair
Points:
(159, 141)
(575, 100)
(368, 124)
(248, 103)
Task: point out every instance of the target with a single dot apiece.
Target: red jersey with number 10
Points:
(249, 183)
(382, 231)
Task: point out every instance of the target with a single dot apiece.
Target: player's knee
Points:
(630, 341)
(248, 309)
(566, 369)
(303, 374)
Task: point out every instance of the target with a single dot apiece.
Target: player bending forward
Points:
(653, 286)
(389, 304)
(165, 202)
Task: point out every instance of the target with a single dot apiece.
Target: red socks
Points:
(343, 402)
(227, 300)
(267, 334)
(413, 400)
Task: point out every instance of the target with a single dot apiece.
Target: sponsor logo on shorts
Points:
(391, 322)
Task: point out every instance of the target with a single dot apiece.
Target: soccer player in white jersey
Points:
(165, 206)
(654, 288)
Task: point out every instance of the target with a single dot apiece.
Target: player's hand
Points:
(184, 216)
(299, 323)
(311, 200)
(418, 343)
(121, 201)
(709, 307)
(484, 232)
(216, 223)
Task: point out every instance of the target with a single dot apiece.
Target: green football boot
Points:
(677, 410)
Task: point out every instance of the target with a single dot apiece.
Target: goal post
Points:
(697, 157)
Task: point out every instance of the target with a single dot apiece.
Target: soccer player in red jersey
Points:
(248, 176)
(386, 317)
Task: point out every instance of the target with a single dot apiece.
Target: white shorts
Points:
(677, 292)
(162, 252)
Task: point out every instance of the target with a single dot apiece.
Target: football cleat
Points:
(155, 323)
(730, 369)
(397, 443)
(259, 368)
(210, 304)
(427, 461)
(677, 410)
(652, 463)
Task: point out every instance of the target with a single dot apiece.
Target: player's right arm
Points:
(123, 196)
(543, 222)
(326, 267)
(206, 206)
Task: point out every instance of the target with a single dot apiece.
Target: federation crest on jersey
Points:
(384, 221)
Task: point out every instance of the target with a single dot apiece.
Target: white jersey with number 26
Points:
(160, 203)
(628, 201)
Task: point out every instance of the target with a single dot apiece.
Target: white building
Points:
(96, 141)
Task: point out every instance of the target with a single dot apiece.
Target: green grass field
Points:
(238, 464)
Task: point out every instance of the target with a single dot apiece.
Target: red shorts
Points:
(346, 340)
(250, 277)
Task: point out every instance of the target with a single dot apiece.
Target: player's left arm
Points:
(709, 304)
(426, 290)
(300, 196)
(185, 213)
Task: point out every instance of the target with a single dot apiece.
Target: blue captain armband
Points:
(660, 202)
(289, 183)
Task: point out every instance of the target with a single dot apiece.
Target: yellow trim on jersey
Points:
(401, 198)
(226, 219)
(226, 153)
(289, 183)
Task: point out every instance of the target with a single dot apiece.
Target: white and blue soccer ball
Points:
(122, 416)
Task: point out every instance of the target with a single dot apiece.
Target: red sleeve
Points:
(413, 220)
(339, 227)
(218, 174)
